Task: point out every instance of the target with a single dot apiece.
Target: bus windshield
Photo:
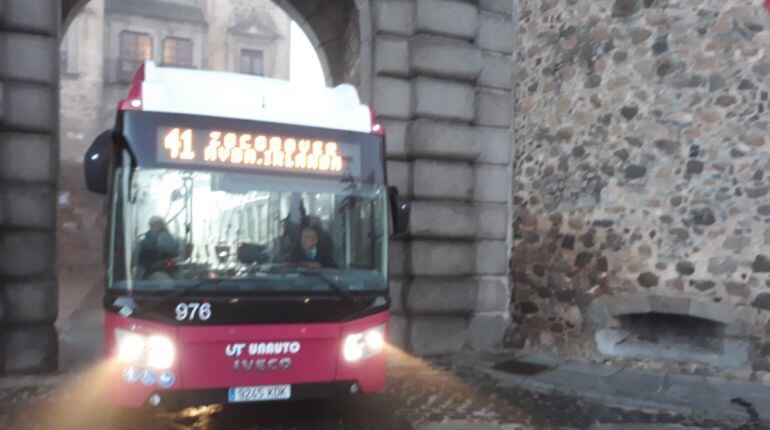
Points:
(179, 230)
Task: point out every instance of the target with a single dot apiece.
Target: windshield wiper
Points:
(195, 286)
(343, 292)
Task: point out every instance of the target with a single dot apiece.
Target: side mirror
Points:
(400, 209)
(97, 163)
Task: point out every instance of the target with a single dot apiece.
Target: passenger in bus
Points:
(312, 253)
(157, 251)
(284, 246)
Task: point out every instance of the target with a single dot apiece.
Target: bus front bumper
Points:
(178, 399)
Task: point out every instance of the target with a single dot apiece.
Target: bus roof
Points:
(235, 95)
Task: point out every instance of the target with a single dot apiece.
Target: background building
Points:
(99, 55)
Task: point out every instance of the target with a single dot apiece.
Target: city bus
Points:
(247, 243)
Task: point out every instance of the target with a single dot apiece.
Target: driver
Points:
(157, 250)
(310, 254)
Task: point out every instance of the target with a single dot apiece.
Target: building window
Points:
(135, 48)
(252, 62)
(177, 52)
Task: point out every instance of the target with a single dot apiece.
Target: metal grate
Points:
(520, 367)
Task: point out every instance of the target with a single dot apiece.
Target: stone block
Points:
(491, 257)
(34, 16)
(624, 305)
(391, 55)
(394, 16)
(496, 33)
(439, 258)
(493, 108)
(395, 137)
(486, 331)
(392, 97)
(447, 17)
(436, 335)
(27, 253)
(496, 71)
(30, 303)
(442, 219)
(442, 139)
(444, 57)
(399, 175)
(30, 206)
(493, 220)
(500, 6)
(396, 287)
(495, 145)
(442, 179)
(599, 314)
(397, 331)
(29, 349)
(27, 157)
(492, 183)
(397, 257)
(719, 312)
(669, 304)
(494, 294)
(441, 296)
(35, 58)
(436, 98)
(29, 107)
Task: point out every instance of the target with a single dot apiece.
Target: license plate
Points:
(259, 393)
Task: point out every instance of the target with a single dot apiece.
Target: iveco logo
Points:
(260, 364)
(241, 349)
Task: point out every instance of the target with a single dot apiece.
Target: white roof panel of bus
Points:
(234, 95)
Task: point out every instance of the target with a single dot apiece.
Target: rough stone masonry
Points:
(642, 172)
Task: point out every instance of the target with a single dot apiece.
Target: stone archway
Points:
(439, 74)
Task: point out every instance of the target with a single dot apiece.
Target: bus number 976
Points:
(193, 310)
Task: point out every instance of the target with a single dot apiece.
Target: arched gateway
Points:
(439, 73)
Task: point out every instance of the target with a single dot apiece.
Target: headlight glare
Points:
(160, 352)
(130, 345)
(358, 346)
(154, 351)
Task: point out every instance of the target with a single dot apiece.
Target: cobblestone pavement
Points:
(421, 396)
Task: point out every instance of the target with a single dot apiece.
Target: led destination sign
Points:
(256, 150)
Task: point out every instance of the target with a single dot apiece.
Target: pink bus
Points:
(248, 240)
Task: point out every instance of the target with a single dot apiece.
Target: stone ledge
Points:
(28, 107)
(28, 349)
(395, 17)
(437, 219)
(392, 97)
(443, 99)
(27, 157)
(442, 180)
(436, 335)
(447, 17)
(604, 311)
(391, 55)
(30, 16)
(33, 206)
(442, 140)
(427, 296)
(444, 57)
(34, 58)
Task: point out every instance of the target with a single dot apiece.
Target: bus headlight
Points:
(154, 351)
(358, 346)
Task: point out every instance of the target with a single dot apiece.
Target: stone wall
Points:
(28, 175)
(642, 169)
(442, 89)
